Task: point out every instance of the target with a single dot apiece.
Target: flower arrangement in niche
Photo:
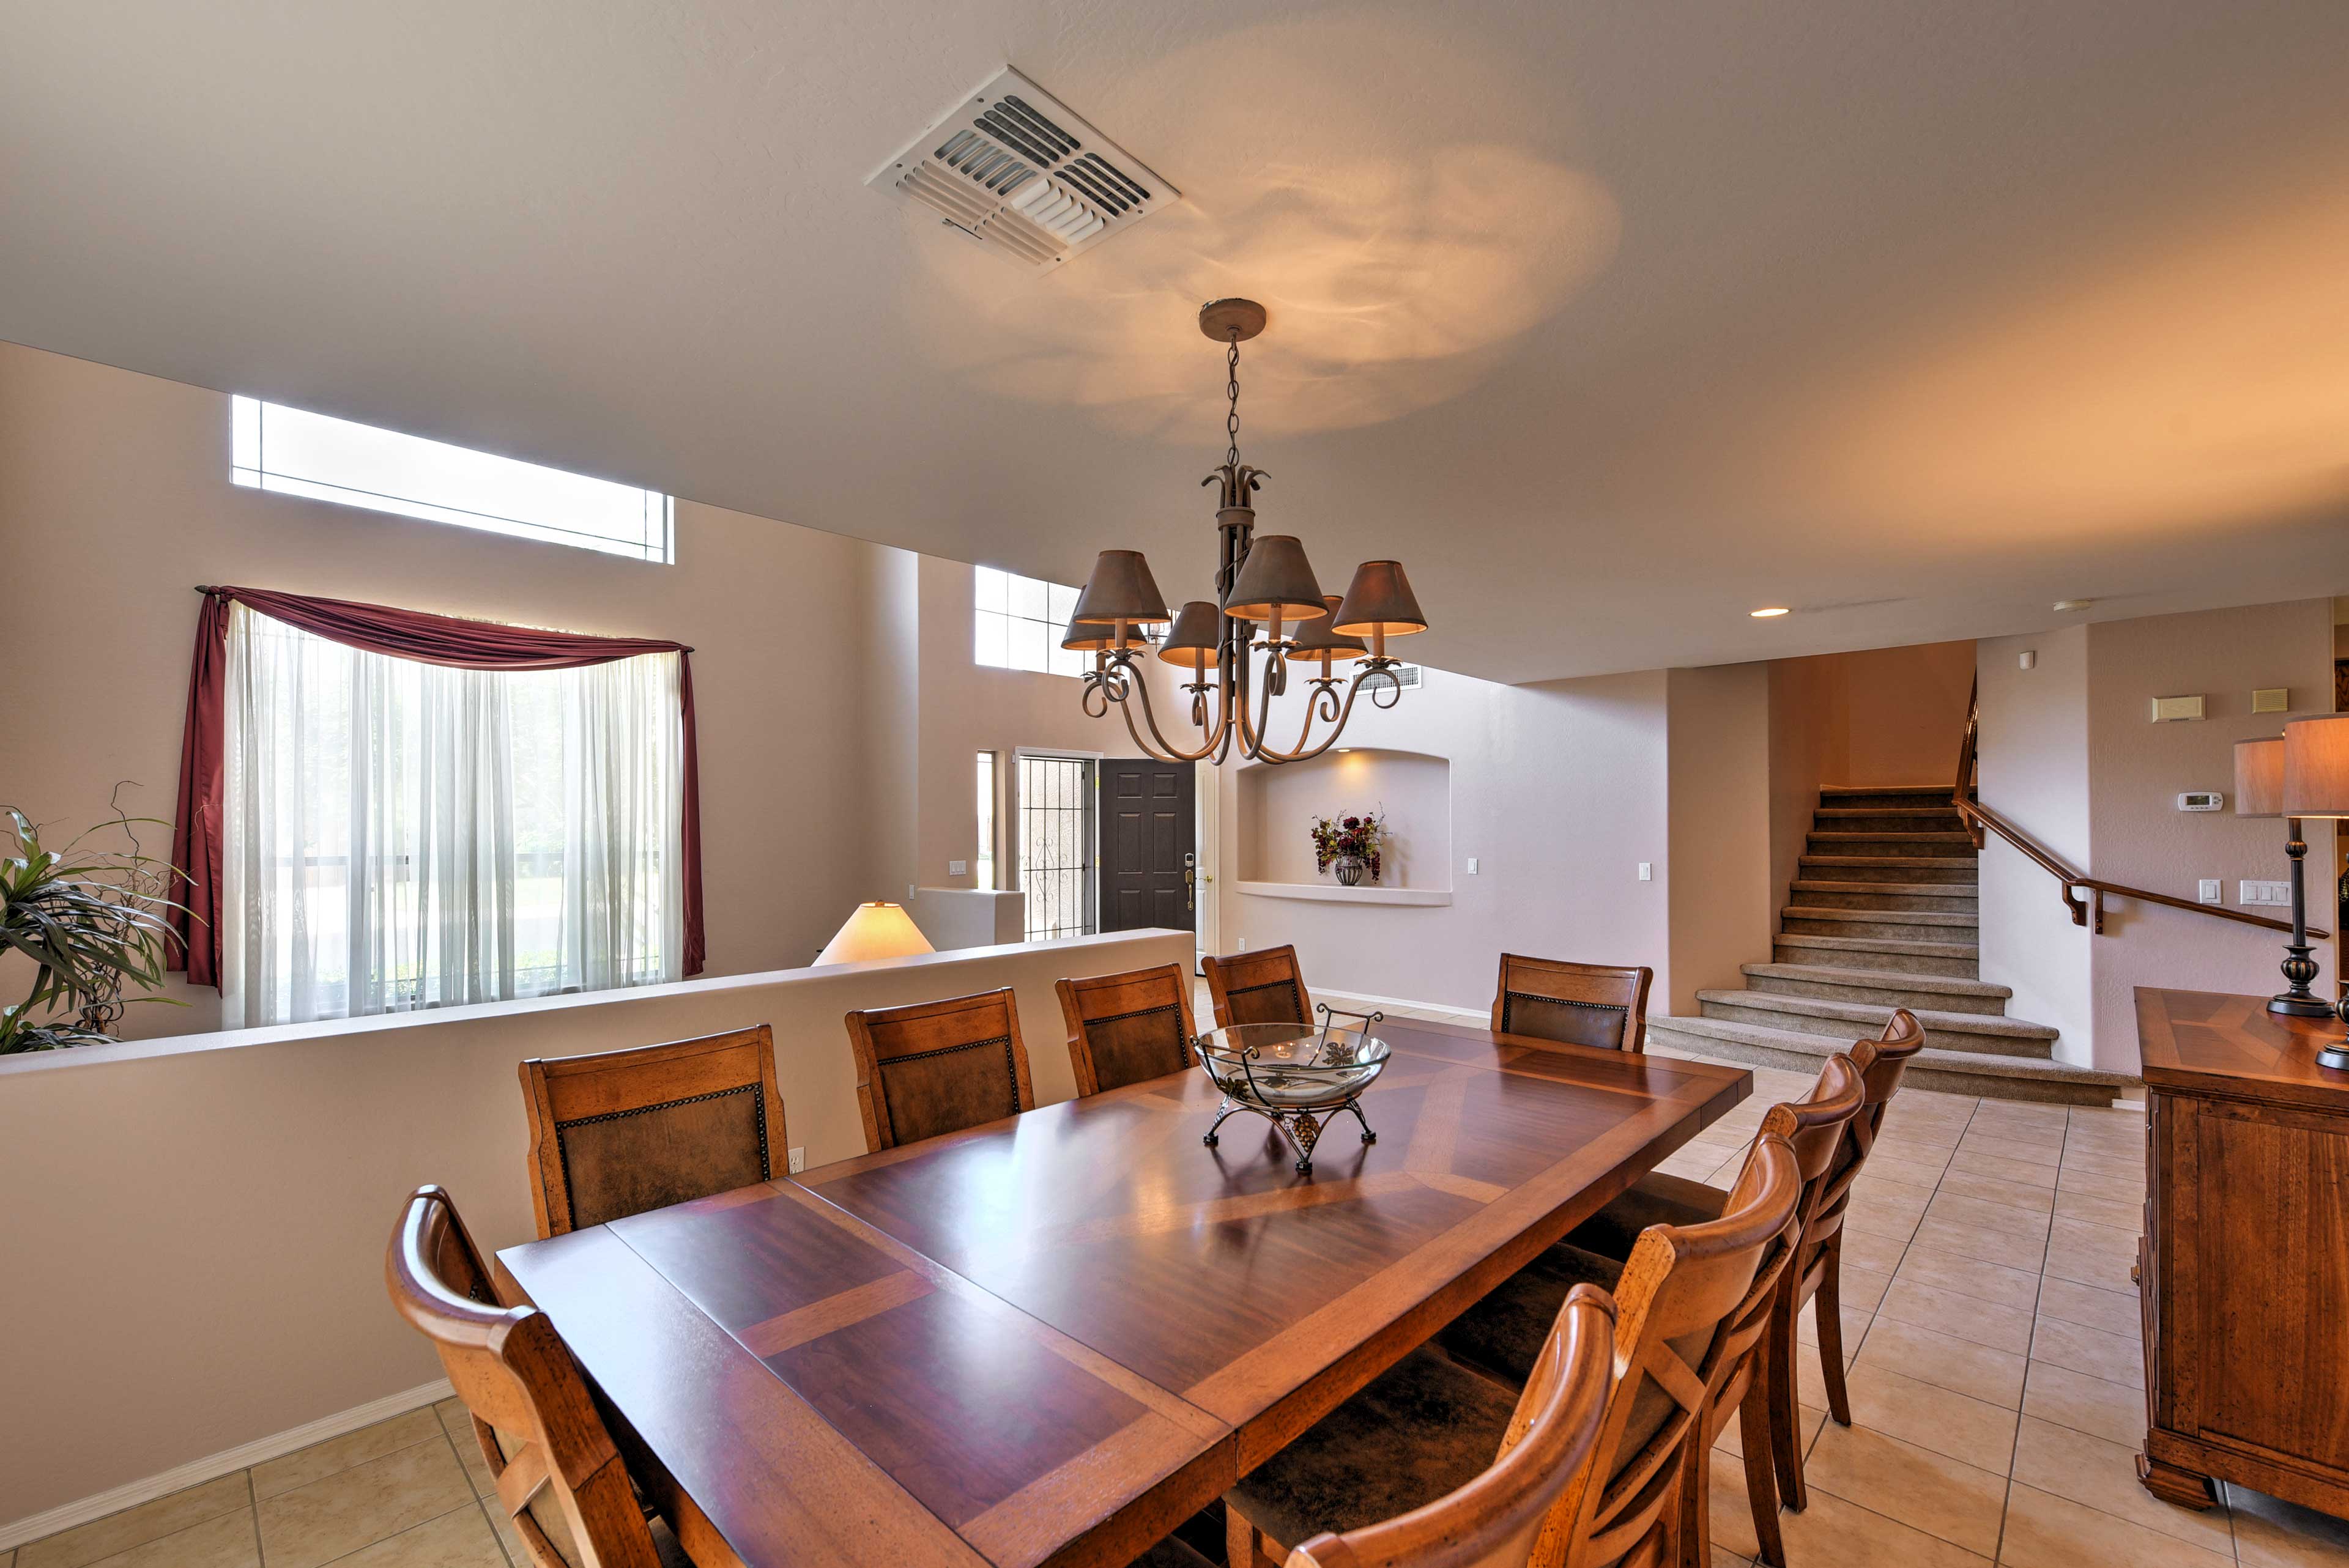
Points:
(1353, 844)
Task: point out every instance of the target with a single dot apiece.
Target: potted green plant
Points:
(91, 921)
(1352, 844)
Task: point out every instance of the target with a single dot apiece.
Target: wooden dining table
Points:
(1052, 1338)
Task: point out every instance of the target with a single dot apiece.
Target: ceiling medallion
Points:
(1262, 584)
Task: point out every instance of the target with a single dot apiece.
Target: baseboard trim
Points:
(195, 1472)
(1467, 1015)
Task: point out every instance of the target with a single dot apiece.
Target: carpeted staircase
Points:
(1881, 915)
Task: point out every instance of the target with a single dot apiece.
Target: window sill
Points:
(1334, 893)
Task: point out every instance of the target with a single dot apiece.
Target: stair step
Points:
(1962, 870)
(1841, 793)
(1946, 1072)
(1881, 952)
(1826, 894)
(1894, 843)
(1846, 1021)
(1888, 819)
(1912, 924)
(1920, 993)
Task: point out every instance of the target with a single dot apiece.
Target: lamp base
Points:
(2334, 1055)
(2301, 1005)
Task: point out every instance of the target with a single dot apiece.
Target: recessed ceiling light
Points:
(2072, 603)
(1772, 611)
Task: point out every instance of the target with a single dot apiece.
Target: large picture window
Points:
(1016, 623)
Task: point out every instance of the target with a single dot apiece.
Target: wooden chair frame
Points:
(1678, 1280)
(1491, 1523)
(559, 1091)
(515, 1373)
(1557, 980)
(1817, 1272)
(953, 1021)
(1247, 972)
(1106, 998)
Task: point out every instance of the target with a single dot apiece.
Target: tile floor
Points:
(1995, 1383)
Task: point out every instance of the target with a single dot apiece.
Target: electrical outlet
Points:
(957, 868)
(1647, 870)
(2263, 892)
(2212, 890)
(798, 1161)
(1472, 865)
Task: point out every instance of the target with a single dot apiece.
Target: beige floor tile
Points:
(2110, 1164)
(1733, 1517)
(2024, 1173)
(1861, 1287)
(1977, 1371)
(2078, 1348)
(1835, 1533)
(1855, 1320)
(336, 1454)
(1732, 1438)
(1927, 1490)
(2092, 1254)
(2100, 1211)
(2047, 1154)
(461, 1539)
(2102, 1474)
(1918, 1173)
(2005, 1328)
(1996, 1190)
(2272, 1533)
(1877, 1254)
(2112, 1188)
(1867, 1220)
(1981, 1243)
(2113, 1311)
(458, 1423)
(2067, 1398)
(1723, 1557)
(2043, 1530)
(118, 1532)
(2010, 1288)
(329, 1518)
(1874, 1191)
(226, 1541)
(1979, 1433)
(2005, 1218)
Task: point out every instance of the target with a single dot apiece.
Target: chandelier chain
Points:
(1232, 391)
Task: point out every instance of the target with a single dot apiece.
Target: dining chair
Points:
(558, 1473)
(619, 1132)
(937, 1067)
(1263, 987)
(1577, 1004)
(1491, 1520)
(1684, 1305)
(1124, 1028)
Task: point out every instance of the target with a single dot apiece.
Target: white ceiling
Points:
(1612, 321)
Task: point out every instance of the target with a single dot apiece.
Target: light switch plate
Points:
(2213, 891)
(1647, 870)
(2171, 710)
(2271, 699)
(1243, 944)
(1472, 865)
(2263, 892)
(957, 868)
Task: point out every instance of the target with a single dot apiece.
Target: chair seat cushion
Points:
(1503, 1334)
(1655, 1199)
(1424, 1428)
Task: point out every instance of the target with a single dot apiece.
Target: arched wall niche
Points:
(1413, 790)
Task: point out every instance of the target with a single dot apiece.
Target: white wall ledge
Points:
(1337, 893)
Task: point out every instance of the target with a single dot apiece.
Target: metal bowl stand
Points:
(1302, 1126)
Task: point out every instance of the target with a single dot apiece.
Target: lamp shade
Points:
(1193, 643)
(1380, 602)
(1089, 639)
(2316, 766)
(1121, 589)
(1276, 579)
(2258, 777)
(1316, 638)
(875, 931)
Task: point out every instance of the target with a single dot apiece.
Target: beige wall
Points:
(1723, 896)
(203, 1266)
(115, 503)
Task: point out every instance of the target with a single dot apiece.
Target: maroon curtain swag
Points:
(404, 634)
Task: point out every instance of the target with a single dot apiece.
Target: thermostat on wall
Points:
(2202, 800)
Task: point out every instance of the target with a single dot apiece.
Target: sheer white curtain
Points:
(400, 835)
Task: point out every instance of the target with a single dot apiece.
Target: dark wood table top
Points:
(2203, 1041)
(1052, 1338)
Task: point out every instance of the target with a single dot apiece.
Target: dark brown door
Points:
(1148, 865)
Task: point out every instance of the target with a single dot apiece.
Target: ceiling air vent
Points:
(1012, 168)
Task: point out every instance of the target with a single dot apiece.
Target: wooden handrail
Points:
(2089, 911)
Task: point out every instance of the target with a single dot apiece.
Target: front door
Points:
(1148, 849)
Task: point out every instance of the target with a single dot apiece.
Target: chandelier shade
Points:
(1086, 639)
(1380, 603)
(1195, 641)
(1320, 638)
(1121, 589)
(1276, 581)
(2258, 777)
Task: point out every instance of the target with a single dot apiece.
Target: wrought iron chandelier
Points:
(1263, 585)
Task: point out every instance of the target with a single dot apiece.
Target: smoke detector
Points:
(1018, 171)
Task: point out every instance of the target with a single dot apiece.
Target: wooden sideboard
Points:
(2243, 1273)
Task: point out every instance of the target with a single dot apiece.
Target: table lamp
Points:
(875, 931)
(2316, 784)
(2259, 792)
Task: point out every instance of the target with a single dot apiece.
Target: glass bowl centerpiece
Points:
(1295, 1075)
